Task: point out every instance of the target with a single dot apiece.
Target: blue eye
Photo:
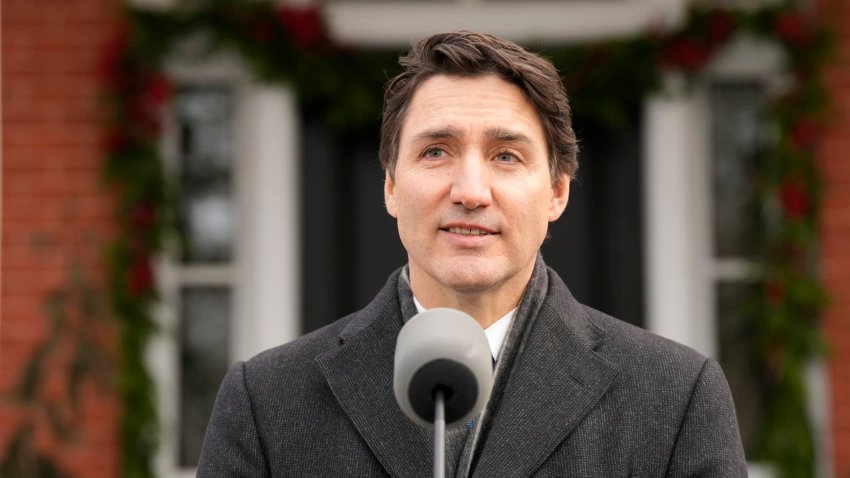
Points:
(433, 153)
(506, 157)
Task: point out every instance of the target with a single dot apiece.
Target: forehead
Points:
(471, 105)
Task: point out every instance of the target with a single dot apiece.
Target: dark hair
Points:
(469, 54)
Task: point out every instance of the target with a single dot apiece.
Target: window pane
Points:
(737, 134)
(205, 118)
(204, 361)
(739, 356)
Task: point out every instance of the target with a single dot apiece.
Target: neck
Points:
(485, 306)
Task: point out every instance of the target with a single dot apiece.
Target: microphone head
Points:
(442, 349)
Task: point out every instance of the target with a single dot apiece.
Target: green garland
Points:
(605, 81)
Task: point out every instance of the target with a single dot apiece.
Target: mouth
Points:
(469, 230)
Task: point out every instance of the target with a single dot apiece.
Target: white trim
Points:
(761, 470)
(204, 274)
(679, 303)
(269, 308)
(388, 24)
(819, 407)
(163, 354)
(750, 58)
(385, 24)
(734, 269)
(163, 359)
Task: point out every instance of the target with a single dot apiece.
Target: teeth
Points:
(467, 232)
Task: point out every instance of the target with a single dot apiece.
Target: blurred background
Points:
(186, 184)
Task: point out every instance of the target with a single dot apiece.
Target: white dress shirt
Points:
(495, 333)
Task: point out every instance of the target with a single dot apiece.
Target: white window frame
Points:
(264, 275)
(681, 269)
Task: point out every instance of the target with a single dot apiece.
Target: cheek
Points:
(414, 199)
(407, 214)
(404, 205)
(535, 216)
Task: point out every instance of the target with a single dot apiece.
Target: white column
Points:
(680, 298)
(268, 293)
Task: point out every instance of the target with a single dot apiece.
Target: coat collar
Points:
(557, 365)
(360, 373)
(556, 379)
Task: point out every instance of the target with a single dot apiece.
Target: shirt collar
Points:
(495, 333)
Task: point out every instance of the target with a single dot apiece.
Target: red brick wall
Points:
(835, 233)
(54, 209)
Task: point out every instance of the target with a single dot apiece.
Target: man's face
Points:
(472, 190)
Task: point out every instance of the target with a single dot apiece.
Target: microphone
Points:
(442, 352)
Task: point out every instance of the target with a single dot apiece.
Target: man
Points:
(478, 152)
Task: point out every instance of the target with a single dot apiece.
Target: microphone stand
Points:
(439, 435)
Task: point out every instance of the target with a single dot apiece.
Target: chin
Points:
(467, 279)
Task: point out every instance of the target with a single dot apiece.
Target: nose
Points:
(471, 183)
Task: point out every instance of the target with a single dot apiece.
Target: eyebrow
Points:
(493, 134)
(439, 133)
(506, 135)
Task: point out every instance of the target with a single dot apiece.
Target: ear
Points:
(389, 194)
(560, 197)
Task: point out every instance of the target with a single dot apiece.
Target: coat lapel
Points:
(360, 373)
(556, 380)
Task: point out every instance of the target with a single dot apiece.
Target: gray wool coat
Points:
(586, 396)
